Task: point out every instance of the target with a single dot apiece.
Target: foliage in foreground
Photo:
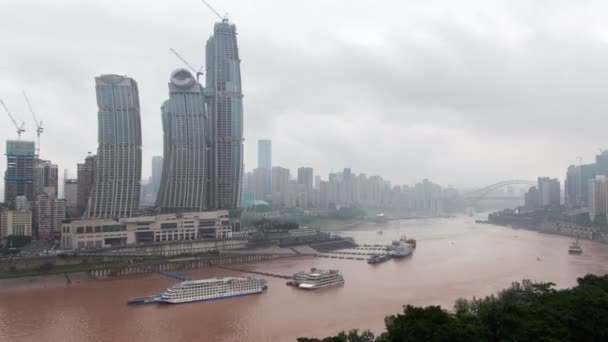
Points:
(526, 311)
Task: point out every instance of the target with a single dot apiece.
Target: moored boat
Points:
(378, 258)
(575, 248)
(402, 250)
(205, 289)
(317, 278)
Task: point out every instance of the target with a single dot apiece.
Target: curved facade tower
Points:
(182, 187)
(223, 86)
(115, 192)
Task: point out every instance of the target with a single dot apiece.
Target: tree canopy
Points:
(526, 311)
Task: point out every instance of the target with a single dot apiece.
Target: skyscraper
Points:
(86, 180)
(117, 185)
(549, 194)
(46, 178)
(280, 187)
(597, 198)
(265, 162)
(70, 190)
(601, 163)
(19, 174)
(182, 186)
(46, 187)
(305, 179)
(264, 154)
(223, 85)
(157, 173)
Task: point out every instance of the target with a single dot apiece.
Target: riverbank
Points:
(332, 224)
(455, 259)
(560, 228)
(68, 274)
(329, 224)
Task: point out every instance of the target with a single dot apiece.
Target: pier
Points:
(266, 274)
(174, 265)
(339, 257)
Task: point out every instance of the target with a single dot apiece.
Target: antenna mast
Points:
(39, 128)
(20, 129)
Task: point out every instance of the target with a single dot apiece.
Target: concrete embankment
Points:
(116, 271)
(44, 281)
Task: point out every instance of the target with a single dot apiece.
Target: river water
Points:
(455, 258)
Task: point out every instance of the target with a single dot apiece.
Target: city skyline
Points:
(428, 144)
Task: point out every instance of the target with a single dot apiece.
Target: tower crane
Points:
(20, 129)
(223, 19)
(39, 128)
(197, 72)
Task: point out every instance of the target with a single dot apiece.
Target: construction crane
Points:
(223, 19)
(197, 72)
(39, 128)
(20, 129)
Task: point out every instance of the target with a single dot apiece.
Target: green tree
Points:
(525, 311)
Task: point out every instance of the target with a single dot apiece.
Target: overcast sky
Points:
(466, 93)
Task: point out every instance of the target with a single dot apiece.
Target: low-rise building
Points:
(15, 223)
(303, 231)
(149, 229)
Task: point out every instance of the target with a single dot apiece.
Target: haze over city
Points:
(310, 171)
(465, 93)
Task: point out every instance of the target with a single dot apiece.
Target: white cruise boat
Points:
(213, 288)
(316, 279)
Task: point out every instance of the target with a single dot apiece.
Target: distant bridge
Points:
(474, 197)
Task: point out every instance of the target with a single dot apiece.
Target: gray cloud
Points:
(465, 93)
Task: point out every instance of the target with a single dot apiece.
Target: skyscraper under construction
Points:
(224, 99)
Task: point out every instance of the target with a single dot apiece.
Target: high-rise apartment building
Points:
(571, 185)
(116, 189)
(223, 86)
(323, 195)
(19, 174)
(597, 198)
(260, 175)
(46, 177)
(305, 180)
(183, 181)
(601, 163)
(46, 187)
(49, 212)
(531, 198)
(265, 162)
(86, 180)
(347, 186)
(264, 154)
(70, 191)
(549, 193)
(157, 173)
(280, 187)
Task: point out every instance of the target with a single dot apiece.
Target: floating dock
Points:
(144, 301)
